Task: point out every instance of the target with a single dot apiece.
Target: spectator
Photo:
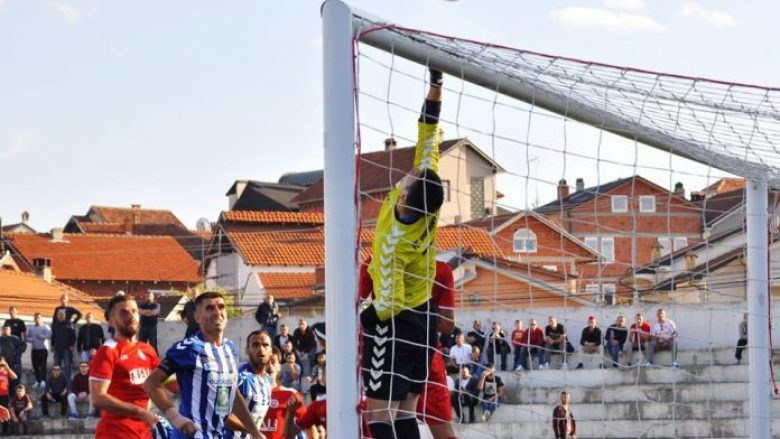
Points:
(267, 315)
(275, 363)
(79, 390)
(476, 362)
(284, 335)
(554, 341)
(63, 341)
(460, 354)
(742, 342)
(70, 311)
(564, 426)
(287, 350)
(464, 395)
(56, 391)
(638, 336)
(291, 372)
(517, 342)
(149, 311)
(448, 340)
(12, 348)
(304, 342)
(476, 337)
(590, 341)
(21, 407)
(38, 334)
(615, 339)
(91, 336)
(317, 377)
(6, 377)
(492, 389)
(497, 344)
(663, 336)
(533, 342)
(18, 328)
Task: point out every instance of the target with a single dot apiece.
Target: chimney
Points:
(655, 251)
(580, 184)
(690, 261)
(136, 213)
(57, 235)
(563, 189)
(679, 189)
(42, 268)
(390, 143)
(127, 226)
(25, 217)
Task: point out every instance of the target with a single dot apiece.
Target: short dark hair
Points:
(114, 300)
(426, 195)
(256, 332)
(208, 295)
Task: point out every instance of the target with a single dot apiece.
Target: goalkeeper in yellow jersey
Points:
(399, 328)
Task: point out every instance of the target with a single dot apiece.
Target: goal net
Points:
(580, 197)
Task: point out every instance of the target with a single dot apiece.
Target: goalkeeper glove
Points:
(437, 79)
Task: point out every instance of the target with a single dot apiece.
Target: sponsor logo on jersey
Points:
(138, 375)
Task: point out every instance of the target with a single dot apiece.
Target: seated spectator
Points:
(638, 336)
(291, 372)
(554, 341)
(460, 354)
(448, 340)
(743, 340)
(590, 341)
(492, 389)
(517, 342)
(56, 391)
(317, 377)
(464, 395)
(615, 339)
(284, 335)
(476, 337)
(497, 344)
(21, 407)
(476, 365)
(663, 336)
(533, 339)
(288, 349)
(564, 426)
(6, 376)
(79, 390)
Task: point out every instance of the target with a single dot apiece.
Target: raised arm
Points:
(427, 152)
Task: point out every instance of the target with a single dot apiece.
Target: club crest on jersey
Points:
(274, 403)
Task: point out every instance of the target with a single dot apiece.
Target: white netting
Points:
(621, 242)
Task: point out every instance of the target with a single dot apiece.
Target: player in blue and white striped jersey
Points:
(207, 374)
(254, 382)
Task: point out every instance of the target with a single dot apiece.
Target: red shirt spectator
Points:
(534, 336)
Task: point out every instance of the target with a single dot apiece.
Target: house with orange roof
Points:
(102, 264)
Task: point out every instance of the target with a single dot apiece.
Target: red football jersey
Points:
(316, 414)
(434, 406)
(273, 423)
(125, 366)
(442, 293)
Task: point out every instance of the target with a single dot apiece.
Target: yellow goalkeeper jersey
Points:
(404, 263)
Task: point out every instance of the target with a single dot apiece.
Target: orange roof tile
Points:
(31, 294)
(122, 214)
(273, 217)
(288, 285)
(110, 257)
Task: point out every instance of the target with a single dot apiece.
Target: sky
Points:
(166, 104)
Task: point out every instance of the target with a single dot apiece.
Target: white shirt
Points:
(461, 354)
(665, 330)
(450, 383)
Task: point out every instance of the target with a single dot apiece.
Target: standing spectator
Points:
(18, 328)
(6, 376)
(91, 336)
(638, 336)
(63, 341)
(564, 426)
(476, 364)
(554, 341)
(497, 344)
(149, 311)
(288, 350)
(38, 335)
(460, 353)
(465, 395)
(533, 342)
(12, 348)
(70, 312)
(492, 389)
(79, 391)
(663, 336)
(615, 339)
(590, 341)
(291, 372)
(317, 377)
(743, 338)
(517, 342)
(284, 335)
(56, 391)
(305, 344)
(21, 407)
(267, 315)
(476, 337)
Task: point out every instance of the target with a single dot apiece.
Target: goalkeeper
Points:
(399, 327)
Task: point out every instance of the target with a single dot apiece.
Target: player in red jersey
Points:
(117, 374)
(273, 422)
(434, 406)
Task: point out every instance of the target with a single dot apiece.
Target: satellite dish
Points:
(203, 225)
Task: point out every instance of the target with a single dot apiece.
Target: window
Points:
(680, 242)
(647, 203)
(592, 242)
(445, 186)
(602, 244)
(619, 203)
(669, 244)
(666, 245)
(608, 293)
(524, 241)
